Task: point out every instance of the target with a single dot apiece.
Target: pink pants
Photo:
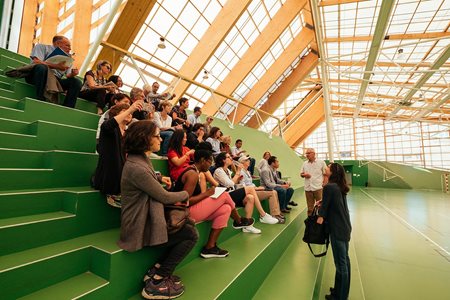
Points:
(216, 210)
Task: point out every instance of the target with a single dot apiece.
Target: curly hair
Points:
(138, 137)
(176, 141)
(213, 132)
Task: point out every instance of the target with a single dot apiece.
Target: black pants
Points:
(177, 247)
(38, 77)
(97, 95)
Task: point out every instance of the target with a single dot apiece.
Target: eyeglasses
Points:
(108, 67)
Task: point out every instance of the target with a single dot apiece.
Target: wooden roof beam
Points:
(272, 31)
(305, 124)
(298, 44)
(126, 29)
(211, 40)
(304, 68)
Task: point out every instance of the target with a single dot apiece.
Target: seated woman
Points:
(164, 123)
(243, 197)
(111, 156)
(117, 80)
(142, 220)
(179, 155)
(263, 162)
(202, 207)
(213, 139)
(95, 85)
(272, 196)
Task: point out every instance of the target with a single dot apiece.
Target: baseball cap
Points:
(243, 158)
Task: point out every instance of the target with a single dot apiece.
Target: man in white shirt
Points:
(315, 172)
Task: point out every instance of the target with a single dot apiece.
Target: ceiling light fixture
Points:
(161, 44)
(205, 74)
(400, 53)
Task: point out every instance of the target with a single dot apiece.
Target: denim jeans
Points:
(342, 263)
(177, 247)
(284, 195)
(165, 135)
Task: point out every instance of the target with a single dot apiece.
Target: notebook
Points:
(218, 191)
(58, 56)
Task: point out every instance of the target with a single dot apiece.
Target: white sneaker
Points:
(268, 219)
(251, 229)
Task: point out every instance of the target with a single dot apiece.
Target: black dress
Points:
(111, 159)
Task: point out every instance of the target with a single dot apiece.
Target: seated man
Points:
(152, 96)
(271, 181)
(38, 75)
(237, 152)
(194, 118)
(195, 136)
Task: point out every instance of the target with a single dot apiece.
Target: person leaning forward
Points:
(66, 75)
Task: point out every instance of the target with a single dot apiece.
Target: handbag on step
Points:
(176, 217)
(315, 233)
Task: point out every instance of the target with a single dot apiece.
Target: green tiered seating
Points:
(58, 236)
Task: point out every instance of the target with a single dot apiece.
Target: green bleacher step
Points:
(42, 135)
(6, 102)
(296, 274)
(18, 204)
(44, 271)
(7, 61)
(79, 213)
(30, 110)
(16, 56)
(31, 219)
(72, 288)
(238, 276)
(55, 169)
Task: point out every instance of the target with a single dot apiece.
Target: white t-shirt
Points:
(317, 169)
(162, 123)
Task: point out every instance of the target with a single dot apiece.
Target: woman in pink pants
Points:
(204, 208)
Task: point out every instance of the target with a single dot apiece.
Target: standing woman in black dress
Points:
(334, 210)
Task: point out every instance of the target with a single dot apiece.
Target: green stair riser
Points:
(32, 110)
(23, 204)
(18, 127)
(49, 136)
(8, 102)
(6, 61)
(242, 287)
(14, 55)
(92, 215)
(31, 278)
(21, 159)
(71, 288)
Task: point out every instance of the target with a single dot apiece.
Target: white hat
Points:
(243, 158)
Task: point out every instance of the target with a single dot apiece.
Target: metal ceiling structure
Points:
(371, 59)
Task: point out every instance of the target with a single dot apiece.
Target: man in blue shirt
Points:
(38, 76)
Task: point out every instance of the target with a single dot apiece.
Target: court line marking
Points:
(405, 222)
(359, 271)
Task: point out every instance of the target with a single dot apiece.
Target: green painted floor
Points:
(399, 250)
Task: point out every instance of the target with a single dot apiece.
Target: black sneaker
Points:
(152, 271)
(292, 203)
(213, 252)
(244, 223)
(165, 289)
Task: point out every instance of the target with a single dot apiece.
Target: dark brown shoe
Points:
(286, 211)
